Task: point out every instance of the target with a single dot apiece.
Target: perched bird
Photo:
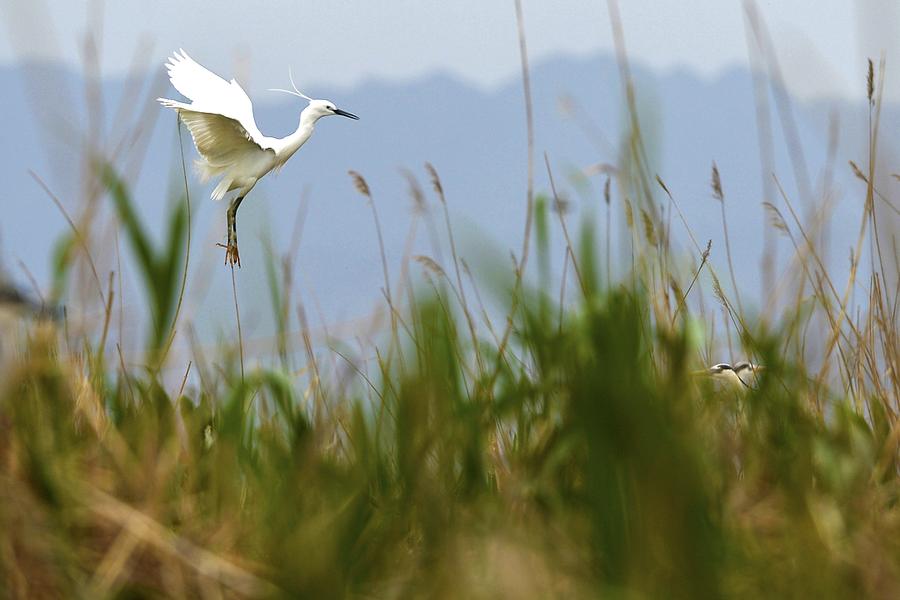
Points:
(738, 377)
(220, 119)
(747, 372)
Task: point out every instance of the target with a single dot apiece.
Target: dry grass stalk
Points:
(150, 532)
(415, 192)
(683, 298)
(557, 203)
(459, 288)
(718, 194)
(363, 188)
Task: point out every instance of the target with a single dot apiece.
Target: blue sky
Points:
(341, 43)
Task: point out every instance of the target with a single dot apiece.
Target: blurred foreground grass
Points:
(579, 459)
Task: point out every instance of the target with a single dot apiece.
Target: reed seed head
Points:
(435, 180)
(716, 184)
(360, 183)
(870, 82)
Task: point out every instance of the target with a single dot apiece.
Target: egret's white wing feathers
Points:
(222, 142)
(220, 119)
(211, 94)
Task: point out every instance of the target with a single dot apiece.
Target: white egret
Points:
(747, 372)
(740, 377)
(220, 119)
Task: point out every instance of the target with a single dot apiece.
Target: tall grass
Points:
(566, 451)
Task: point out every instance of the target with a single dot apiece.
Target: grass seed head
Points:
(435, 180)
(716, 184)
(360, 183)
(649, 229)
(870, 82)
(776, 219)
(857, 171)
(663, 185)
(629, 214)
(430, 264)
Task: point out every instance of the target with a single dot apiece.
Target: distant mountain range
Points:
(476, 139)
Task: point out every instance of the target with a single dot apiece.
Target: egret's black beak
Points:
(344, 113)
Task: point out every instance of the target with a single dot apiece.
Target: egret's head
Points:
(719, 369)
(323, 108)
(317, 108)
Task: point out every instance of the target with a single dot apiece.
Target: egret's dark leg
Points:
(231, 250)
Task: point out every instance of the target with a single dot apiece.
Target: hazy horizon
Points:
(334, 45)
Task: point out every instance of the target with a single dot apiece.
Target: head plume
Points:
(296, 92)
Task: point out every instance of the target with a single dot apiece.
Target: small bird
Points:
(220, 119)
(740, 376)
(747, 372)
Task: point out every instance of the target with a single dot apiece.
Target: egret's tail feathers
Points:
(221, 189)
(207, 171)
(204, 170)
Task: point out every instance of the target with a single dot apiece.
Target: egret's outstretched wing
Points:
(211, 94)
(219, 139)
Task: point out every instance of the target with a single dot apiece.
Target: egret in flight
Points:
(220, 119)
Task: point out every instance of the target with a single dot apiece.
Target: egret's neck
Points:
(293, 142)
(308, 118)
